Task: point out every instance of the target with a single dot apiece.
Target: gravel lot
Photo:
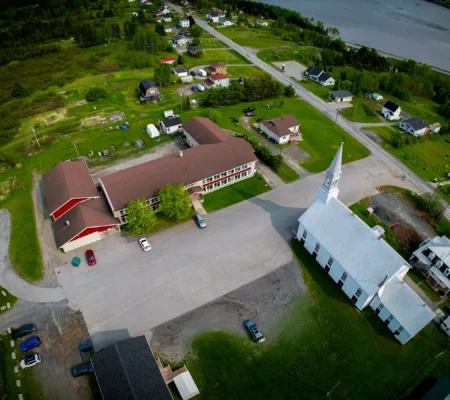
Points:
(266, 300)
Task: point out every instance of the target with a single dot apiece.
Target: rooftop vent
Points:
(67, 222)
(181, 154)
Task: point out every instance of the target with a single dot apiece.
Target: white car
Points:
(145, 244)
(30, 361)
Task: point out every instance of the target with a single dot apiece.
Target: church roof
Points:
(336, 165)
(352, 243)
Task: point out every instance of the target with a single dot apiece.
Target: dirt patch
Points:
(108, 67)
(267, 300)
(6, 186)
(408, 236)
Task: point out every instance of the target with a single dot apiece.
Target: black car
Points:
(82, 369)
(194, 88)
(23, 330)
(249, 109)
(194, 72)
(250, 113)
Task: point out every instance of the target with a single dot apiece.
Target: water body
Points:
(406, 28)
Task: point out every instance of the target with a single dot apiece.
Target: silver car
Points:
(200, 221)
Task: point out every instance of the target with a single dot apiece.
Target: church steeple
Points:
(329, 188)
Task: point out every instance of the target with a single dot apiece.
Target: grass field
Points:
(236, 193)
(302, 54)
(210, 43)
(287, 174)
(417, 278)
(427, 157)
(318, 90)
(358, 113)
(244, 72)
(322, 342)
(9, 298)
(252, 37)
(226, 56)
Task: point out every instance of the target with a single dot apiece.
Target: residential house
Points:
(225, 23)
(166, 18)
(415, 126)
(149, 91)
(184, 23)
(168, 29)
(157, 14)
(169, 60)
(376, 96)
(262, 23)
(216, 81)
(363, 265)
(435, 127)
(79, 211)
(281, 129)
(165, 10)
(194, 51)
(180, 40)
(432, 259)
(391, 111)
(180, 71)
(171, 125)
(212, 17)
(341, 96)
(210, 165)
(218, 68)
(317, 75)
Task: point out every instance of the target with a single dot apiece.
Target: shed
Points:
(186, 386)
(152, 131)
(168, 113)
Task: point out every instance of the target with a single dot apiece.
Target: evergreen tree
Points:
(18, 90)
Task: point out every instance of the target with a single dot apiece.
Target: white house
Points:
(184, 23)
(362, 264)
(281, 129)
(168, 29)
(341, 96)
(212, 17)
(180, 71)
(217, 80)
(225, 23)
(317, 75)
(171, 125)
(167, 18)
(432, 259)
(435, 127)
(180, 40)
(262, 23)
(414, 126)
(152, 131)
(391, 111)
(376, 96)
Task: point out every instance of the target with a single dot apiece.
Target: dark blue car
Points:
(30, 343)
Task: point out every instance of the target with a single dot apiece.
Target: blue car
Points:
(30, 343)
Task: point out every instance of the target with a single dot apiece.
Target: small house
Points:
(376, 96)
(414, 126)
(218, 68)
(212, 17)
(217, 80)
(149, 91)
(167, 18)
(262, 23)
(391, 111)
(281, 129)
(184, 23)
(165, 10)
(317, 75)
(225, 23)
(180, 40)
(194, 51)
(187, 79)
(180, 71)
(168, 29)
(435, 128)
(169, 60)
(171, 125)
(168, 113)
(152, 131)
(341, 96)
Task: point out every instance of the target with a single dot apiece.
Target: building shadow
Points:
(102, 339)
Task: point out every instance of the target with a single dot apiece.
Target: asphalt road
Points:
(352, 128)
(130, 292)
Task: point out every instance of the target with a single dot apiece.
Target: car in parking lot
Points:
(255, 333)
(30, 361)
(199, 221)
(249, 109)
(82, 369)
(250, 113)
(145, 244)
(194, 88)
(23, 330)
(90, 257)
(193, 72)
(30, 343)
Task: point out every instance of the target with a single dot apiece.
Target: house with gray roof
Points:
(341, 96)
(415, 126)
(318, 75)
(367, 269)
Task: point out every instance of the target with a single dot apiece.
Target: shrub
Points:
(95, 94)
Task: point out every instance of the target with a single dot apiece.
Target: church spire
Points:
(329, 188)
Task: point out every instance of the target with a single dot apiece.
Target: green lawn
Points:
(210, 43)
(359, 113)
(9, 298)
(317, 89)
(427, 157)
(235, 193)
(323, 341)
(211, 55)
(420, 281)
(289, 52)
(287, 174)
(244, 72)
(252, 37)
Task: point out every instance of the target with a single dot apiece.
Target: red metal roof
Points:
(208, 83)
(219, 77)
(165, 60)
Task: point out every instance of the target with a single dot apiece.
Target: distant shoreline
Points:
(439, 3)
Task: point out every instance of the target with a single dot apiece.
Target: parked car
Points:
(82, 369)
(30, 343)
(250, 113)
(145, 244)
(90, 257)
(249, 109)
(199, 221)
(200, 88)
(202, 72)
(255, 333)
(30, 361)
(85, 348)
(193, 72)
(23, 330)
(194, 88)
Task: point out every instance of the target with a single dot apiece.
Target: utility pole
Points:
(34, 133)
(331, 391)
(74, 145)
(181, 101)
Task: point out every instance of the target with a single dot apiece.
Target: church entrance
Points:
(340, 283)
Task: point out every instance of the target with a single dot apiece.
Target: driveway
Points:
(130, 292)
(292, 69)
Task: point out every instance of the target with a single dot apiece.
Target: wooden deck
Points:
(167, 372)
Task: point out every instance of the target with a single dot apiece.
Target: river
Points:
(406, 28)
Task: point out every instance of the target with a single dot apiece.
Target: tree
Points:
(180, 59)
(18, 90)
(175, 202)
(163, 74)
(196, 31)
(289, 91)
(159, 29)
(95, 94)
(140, 217)
(397, 139)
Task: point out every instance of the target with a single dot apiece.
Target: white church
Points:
(357, 258)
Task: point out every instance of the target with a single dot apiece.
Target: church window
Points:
(344, 276)
(317, 248)
(330, 261)
(358, 293)
(305, 233)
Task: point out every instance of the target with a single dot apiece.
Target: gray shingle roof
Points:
(323, 77)
(172, 121)
(341, 93)
(416, 123)
(313, 70)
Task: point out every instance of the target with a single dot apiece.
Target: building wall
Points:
(184, 24)
(189, 139)
(68, 206)
(268, 132)
(328, 82)
(396, 115)
(350, 286)
(88, 236)
(221, 83)
(171, 129)
(221, 70)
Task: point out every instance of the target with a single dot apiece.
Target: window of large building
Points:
(231, 171)
(330, 261)
(305, 233)
(317, 248)
(238, 169)
(344, 276)
(358, 293)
